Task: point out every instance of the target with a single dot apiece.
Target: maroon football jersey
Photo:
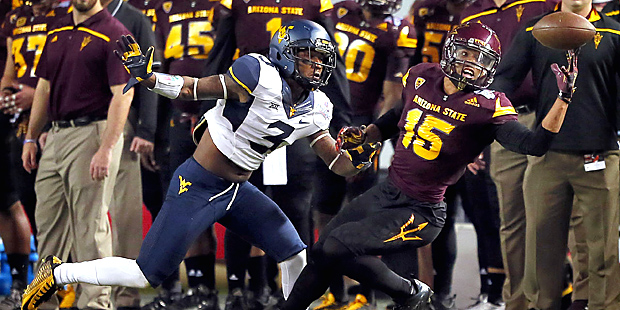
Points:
(440, 134)
(433, 20)
(371, 53)
(185, 31)
(265, 17)
(28, 33)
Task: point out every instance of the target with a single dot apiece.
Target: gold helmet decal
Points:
(283, 33)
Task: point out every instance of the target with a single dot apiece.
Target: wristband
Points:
(566, 97)
(168, 85)
(30, 141)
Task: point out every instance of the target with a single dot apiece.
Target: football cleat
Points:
(13, 301)
(420, 300)
(444, 302)
(163, 300)
(360, 303)
(328, 302)
(197, 298)
(236, 301)
(43, 287)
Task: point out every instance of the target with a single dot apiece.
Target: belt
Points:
(77, 122)
(523, 109)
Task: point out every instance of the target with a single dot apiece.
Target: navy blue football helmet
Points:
(297, 36)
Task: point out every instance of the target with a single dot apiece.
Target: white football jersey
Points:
(247, 132)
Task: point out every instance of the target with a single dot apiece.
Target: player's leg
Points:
(258, 220)
(363, 229)
(14, 227)
(125, 212)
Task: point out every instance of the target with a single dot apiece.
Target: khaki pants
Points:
(507, 171)
(126, 214)
(550, 185)
(71, 211)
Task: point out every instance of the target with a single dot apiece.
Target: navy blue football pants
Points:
(196, 199)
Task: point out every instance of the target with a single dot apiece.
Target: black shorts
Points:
(8, 191)
(384, 220)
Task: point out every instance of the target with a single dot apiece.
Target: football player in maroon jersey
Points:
(376, 48)
(448, 118)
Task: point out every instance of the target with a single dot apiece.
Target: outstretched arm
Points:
(174, 86)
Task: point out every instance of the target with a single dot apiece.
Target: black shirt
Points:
(143, 116)
(590, 120)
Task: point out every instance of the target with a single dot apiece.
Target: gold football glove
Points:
(138, 65)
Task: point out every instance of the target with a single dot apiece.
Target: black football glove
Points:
(350, 137)
(361, 156)
(138, 65)
(566, 77)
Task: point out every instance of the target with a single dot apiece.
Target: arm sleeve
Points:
(516, 137)
(146, 100)
(388, 122)
(515, 65)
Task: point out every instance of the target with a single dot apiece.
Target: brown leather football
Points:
(563, 30)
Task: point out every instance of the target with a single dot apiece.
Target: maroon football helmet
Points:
(385, 7)
(471, 45)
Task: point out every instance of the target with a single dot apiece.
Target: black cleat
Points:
(236, 301)
(162, 301)
(420, 300)
(197, 298)
(13, 301)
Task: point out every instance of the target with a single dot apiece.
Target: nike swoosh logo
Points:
(301, 121)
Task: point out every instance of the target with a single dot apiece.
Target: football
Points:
(563, 30)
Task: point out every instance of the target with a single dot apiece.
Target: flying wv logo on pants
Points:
(403, 233)
(183, 185)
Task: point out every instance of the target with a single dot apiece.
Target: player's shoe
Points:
(359, 303)
(43, 287)
(444, 302)
(67, 296)
(236, 301)
(329, 302)
(197, 298)
(483, 303)
(13, 301)
(163, 300)
(421, 299)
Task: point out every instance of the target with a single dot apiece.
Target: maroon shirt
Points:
(267, 16)
(28, 33)
(439, 134)
(434, 21)
(372, 54)
(79, 62)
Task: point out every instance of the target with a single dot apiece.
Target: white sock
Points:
(117, 271)
(291, 268)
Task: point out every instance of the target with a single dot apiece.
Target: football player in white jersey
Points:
(266, 103)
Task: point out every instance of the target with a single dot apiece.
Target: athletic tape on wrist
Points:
(168, 85)
(224, 86)
(334, 161)
(195, 86)
(318, 138)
